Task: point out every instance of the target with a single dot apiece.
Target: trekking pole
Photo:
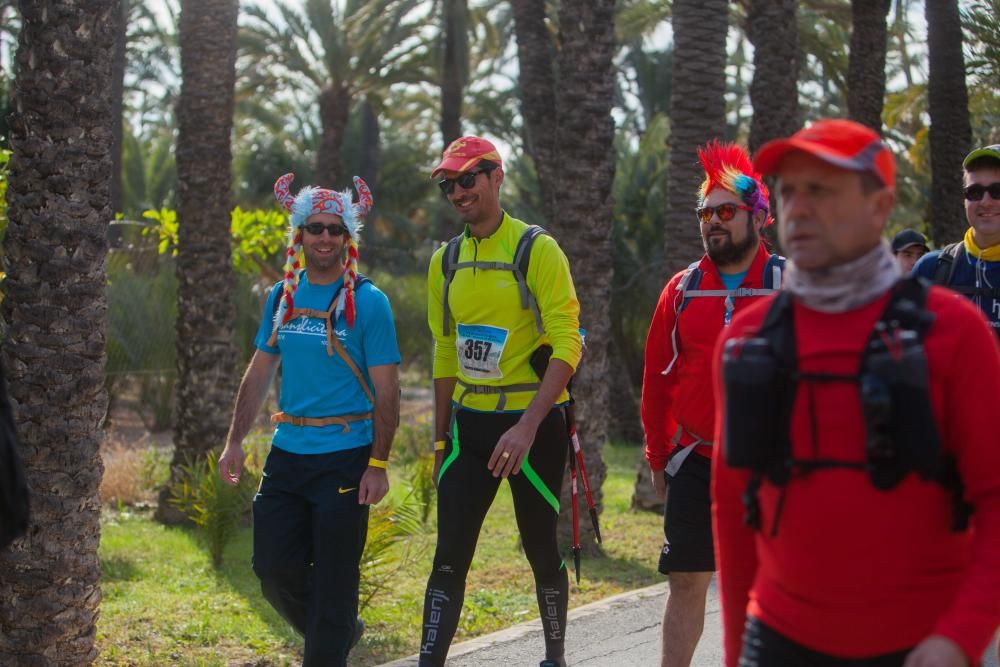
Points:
(583, 471)
(576, 513)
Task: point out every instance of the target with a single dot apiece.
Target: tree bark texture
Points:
(584, 139)
(866, 67)
(206, 311)
(951, 132)
(54, 308)
(774, 93)
(118, 103)
(334, 110)
(536, 63)
(454, 67)
(697, 115)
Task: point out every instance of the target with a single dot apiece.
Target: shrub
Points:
(390, 523)
(413, 441)
(132, 474)
(214, 506)
(408, 297)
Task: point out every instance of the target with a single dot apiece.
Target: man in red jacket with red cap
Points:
(677, 409)
(855, 437)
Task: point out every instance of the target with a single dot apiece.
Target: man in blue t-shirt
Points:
(332, 331)
(972, 266)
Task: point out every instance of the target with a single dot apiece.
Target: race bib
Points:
(480, 348)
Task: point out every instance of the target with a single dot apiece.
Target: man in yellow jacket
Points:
(498, 415)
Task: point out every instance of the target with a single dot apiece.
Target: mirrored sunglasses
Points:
(726, 212)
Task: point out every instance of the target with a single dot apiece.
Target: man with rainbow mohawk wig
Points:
(678, 409)
(332, 331)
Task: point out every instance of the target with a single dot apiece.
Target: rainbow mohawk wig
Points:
(728, 166)
(310, 201)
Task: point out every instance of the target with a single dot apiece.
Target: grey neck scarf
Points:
(846, 286)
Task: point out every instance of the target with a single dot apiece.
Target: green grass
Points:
(165, 604)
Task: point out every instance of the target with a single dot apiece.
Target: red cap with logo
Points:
(839, 142)
(464, 153)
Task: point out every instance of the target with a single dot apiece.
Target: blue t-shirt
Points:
(733, 280)
(968, 271)
(315, 384)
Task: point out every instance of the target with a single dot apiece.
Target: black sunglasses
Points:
(316, 228)
(976, 192)
(466, 180)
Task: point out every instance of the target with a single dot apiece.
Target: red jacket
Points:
(684, 396)
(854, 571)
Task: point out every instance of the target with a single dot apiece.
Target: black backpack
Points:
(944, 273)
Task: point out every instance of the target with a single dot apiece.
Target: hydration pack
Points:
(688, 286)
(687, 289)
(519, 267)
(944, 273)
(762, 377)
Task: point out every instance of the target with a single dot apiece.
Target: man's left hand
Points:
(936, 651)
(373, 486)
(512, 449)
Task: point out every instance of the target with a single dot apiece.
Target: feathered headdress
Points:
(728, 166)
(310, 201)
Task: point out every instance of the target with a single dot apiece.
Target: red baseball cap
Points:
(839, 142)
(465, 152)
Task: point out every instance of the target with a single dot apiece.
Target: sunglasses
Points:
(726, 212)
(976, 192)
(316, 228)
(466, 181)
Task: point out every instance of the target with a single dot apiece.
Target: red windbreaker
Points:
(854, 571)
(684, 396)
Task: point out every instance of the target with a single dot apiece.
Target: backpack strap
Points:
(522, 257)
(449, 264)
(944, 271)
(519, 268)
(772, 272)
(692, 276)
(688, 286)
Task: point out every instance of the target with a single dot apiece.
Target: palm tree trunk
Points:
(697, 115)
(206, 312)
(950, 133)
(54, 306)
(866, 68)
(584, 138)
(536, 60)
(774, 93)
(371, 139)
(454, 67)
(334, 109)
(117, 104)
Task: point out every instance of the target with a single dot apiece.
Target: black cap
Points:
(908, 237)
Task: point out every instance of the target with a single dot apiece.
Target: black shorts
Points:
(687, 519)
(765, 647)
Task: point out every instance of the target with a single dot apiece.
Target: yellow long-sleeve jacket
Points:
(491, 337)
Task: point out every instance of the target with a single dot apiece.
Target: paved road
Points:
(622, 631)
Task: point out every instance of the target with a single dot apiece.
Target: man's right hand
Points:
(231, 464)
(659, 483)
(438, 460)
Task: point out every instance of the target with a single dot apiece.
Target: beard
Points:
(318, 262)
(726, 252)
